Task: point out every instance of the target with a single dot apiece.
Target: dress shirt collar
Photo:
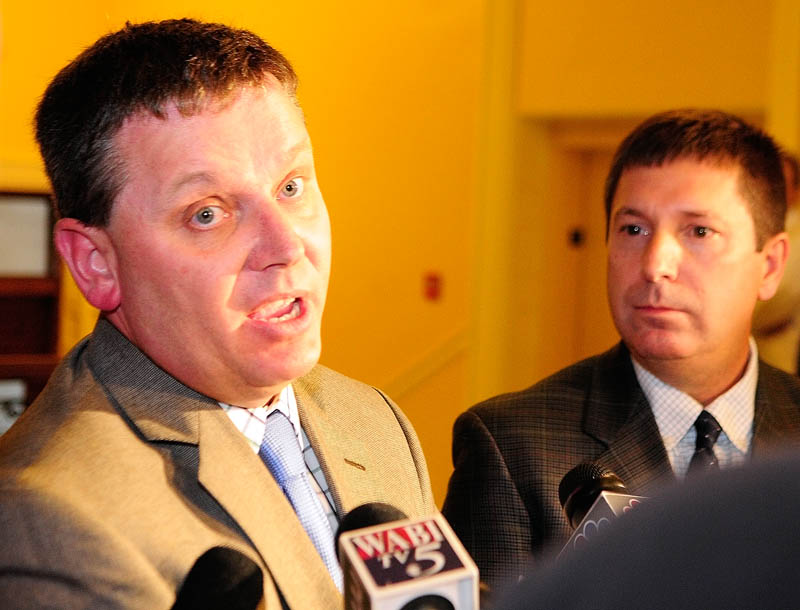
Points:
(251, 422)
(676, 411)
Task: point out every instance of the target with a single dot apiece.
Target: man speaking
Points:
(695, 207)
(194, 417)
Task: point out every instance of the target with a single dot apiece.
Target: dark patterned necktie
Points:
(708, 430)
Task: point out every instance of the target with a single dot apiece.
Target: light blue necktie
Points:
(281, 453)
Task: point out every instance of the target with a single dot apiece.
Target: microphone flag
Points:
(387, 566)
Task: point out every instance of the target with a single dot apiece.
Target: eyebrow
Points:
(205, 177)
(629, 211)
(198, 177)
(185, 182)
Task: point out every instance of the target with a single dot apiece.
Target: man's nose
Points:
(661, 258)
(277, 240)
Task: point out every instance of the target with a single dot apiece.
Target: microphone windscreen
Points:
(221, 578)
(581, 486)
(367, 515)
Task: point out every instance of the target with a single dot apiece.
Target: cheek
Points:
(155, 266)
(617, 272)
(318, 245)
(167, 278)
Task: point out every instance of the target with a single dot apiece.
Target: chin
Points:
(659, 347)
(662, 354)
(287, 368)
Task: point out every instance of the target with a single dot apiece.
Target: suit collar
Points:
(260, 508)
(362, 443)
(343, 456)
(620, 417)
(777, 419)
(616, 395)
(159, 406)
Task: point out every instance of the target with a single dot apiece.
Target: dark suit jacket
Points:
(511, 452)
(119, 477)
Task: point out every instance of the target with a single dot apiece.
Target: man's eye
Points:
(293, 188)
(702, 231)
(208, 216)
(633, 230)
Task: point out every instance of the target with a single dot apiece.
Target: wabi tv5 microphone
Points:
(391, 562)
(591, 496)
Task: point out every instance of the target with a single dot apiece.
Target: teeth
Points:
(292, 313)
(271, 314)
(279, 305)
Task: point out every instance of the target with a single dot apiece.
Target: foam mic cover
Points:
(367, 515)
(581, 486)
(221, 578)
(592, 496)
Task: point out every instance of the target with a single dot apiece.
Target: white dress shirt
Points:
(675, 413)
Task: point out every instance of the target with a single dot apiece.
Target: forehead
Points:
(267, 104)
(252, 132)
(682, 184)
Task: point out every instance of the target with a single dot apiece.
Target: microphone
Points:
(391, 562)
(366, 515)
(221, 578)
(591, 496)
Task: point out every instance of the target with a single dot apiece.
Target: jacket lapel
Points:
(619, 416)
(162, 409)
(258, 505)
(776, 422)
(360, 441)
(344, 458)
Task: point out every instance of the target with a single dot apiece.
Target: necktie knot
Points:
(708, 431)
(280, 450)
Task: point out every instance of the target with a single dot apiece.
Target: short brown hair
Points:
(140, 68)
(710, 135)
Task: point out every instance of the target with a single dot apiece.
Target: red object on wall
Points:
(432, 286)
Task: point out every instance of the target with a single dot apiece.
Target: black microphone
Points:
(591, 496)
(391, 562)
(221, 578)
(367, 515)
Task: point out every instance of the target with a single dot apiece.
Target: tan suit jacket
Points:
(119, 477)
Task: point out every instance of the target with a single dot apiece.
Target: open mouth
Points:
(279, 311)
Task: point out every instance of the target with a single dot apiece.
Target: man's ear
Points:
(91, 259)
(776, 253)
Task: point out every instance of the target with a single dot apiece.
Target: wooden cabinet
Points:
(28, 303)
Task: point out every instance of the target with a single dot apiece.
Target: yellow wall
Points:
(630, 57)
